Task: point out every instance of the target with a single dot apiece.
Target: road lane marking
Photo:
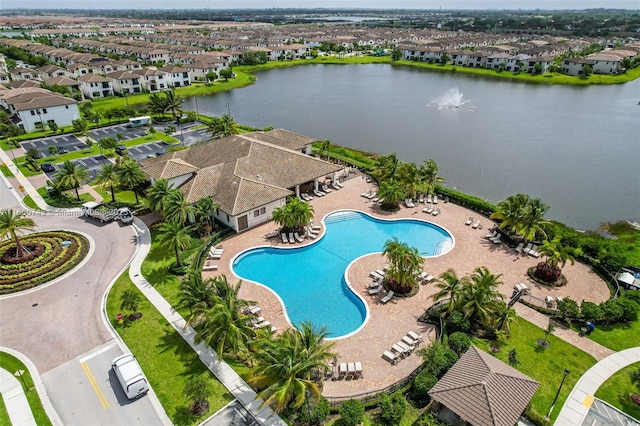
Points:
(94, 385)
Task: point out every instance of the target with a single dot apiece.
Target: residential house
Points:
(19, 84)
(246, 176)
(544, 61)
(176, 76)
(72, 84)
(517, 62)
(576, 66)
(481, 390)
(152, 79)
(49, 71)
(496, 60)
(22, 73)
(78, 69)
(606, 62)
(31, 108)
(125, 82)
(95, 86)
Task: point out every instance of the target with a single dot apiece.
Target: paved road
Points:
(86, 389)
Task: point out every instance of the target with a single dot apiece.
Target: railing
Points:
(374, 395)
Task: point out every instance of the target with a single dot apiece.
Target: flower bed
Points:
(57, 253)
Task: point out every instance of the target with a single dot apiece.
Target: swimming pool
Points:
(310, 280)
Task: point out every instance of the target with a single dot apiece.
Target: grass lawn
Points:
(545, 366)
(5, 170)
(65, 200)
(617, 388)
(121, 195)
(629, 235)
(28, 201)
(370, 418)
(167, 360)
(4, 416)
(616, 337)
(13, 364)
(351, 156)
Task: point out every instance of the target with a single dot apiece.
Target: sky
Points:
(365, 4)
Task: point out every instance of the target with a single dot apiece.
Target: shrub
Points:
(422, 384)
(459, 342)
(318, 409)
(352, 412)
(619, 311)
(457, 322)
(392, 408)
(547, 272)
(568, 308)
(438, 358)
(590, 311)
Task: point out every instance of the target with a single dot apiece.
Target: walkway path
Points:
(15, 400)
(229, 378)
(577, 405)
(24, 182)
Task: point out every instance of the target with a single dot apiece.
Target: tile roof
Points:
(240, 173)
(283, 138)
(483, 390)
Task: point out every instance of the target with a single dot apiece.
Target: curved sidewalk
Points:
(229, 378)
(577, 405)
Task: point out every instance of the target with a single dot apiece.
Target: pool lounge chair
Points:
(527, 249)
(338, 184)
(376, 275)
(476, 224)
(284, 237)
(492, 235)
(326, 189)
(318, 193)
(291, 238)
(519, 248)
(334, 186)
(310, 233)
(351, 369)
(406, 348)
(252, 310)
(398, 350)
(534, 251)
(342, 370)
(409, 203)
(262, 324)
(298, 237)
(366, 194)
(409, 341)
(428, 209)
(390, 356)
(496, 239)
(372, 195)
(373, 284)
(435, 199)
(429, 199)
(271, 235)
(388, 297)
(421, 199)
(315, 227)
(436, 212)
(469, 221)
(358, 366)
(208, 267)
(375, 290)
(414, 336)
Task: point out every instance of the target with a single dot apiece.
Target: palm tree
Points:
(108, 176)
(556, 254)
(430, 176)
(12, 225)
(71, 175)
(324, 148)
(174, 236)
(409, 175)
(223, 326)
(404, 265)
(392, 194)
(131, 175)
(511, 211)
(205, 209)
(157, 103)
(172, 103)
(177, 209)
(505, 316)
(293, 215)
(223, 126)
(386, 167)
(533, 219)
(194, 291)
(480, 295)
(451, 287)
(285, 366)
(157, 194)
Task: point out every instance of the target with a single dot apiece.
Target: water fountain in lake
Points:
(453, 99)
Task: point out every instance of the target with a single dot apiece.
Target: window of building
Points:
(263, 210)
(44, 110)
(33, 112)
(256, 213)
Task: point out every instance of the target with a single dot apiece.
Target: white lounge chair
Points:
(373, 284)
(376, 275)
(527, 249)
(209, 267)
(338, 184)
(252, 310)
(375, 290)
(409, 203)
(491, 235)
(316, 227)
(398, 350)
(358, 366)
(435, 199)
(436, 212)
(428, 209)
(390, 356)
(326, 189)
(262, 324)
(366, 194)
(469, 221)
(496, 239)
(318, 193)
(534, 251)
(291, 238)
(407, 349)
(414, 336)
(372, 195)
(421, 199)
(342, 370)
(409, 341)
(310, 233)
(334, 185)
(429, 199)
(476, 224)
(388, 297)
(284, 237)
(298, 237)
(519, 248)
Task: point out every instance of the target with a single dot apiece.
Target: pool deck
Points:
(388, 323)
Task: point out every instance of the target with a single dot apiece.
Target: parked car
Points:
(121, 150)
(130, 375)
(63, 151)
(47, 167)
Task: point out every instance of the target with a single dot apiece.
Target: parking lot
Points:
(112, 132)
(142, 152)
(66, 143)
(93, 165)
(192, 137)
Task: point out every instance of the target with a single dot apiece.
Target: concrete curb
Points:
(37, 382)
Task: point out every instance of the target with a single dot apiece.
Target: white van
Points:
(130, 376)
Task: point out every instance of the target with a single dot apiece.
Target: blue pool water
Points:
(310, 280)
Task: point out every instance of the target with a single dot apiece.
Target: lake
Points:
(576, 148)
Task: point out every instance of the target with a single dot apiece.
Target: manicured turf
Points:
(617, 388)
(5, 170)
(65, 200)
(545, 366)
(165, 357)
(121, 195)
(617, 337)
(28, 201)
(13, 364)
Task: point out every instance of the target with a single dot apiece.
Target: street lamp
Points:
(566, 373)
(180, 128)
